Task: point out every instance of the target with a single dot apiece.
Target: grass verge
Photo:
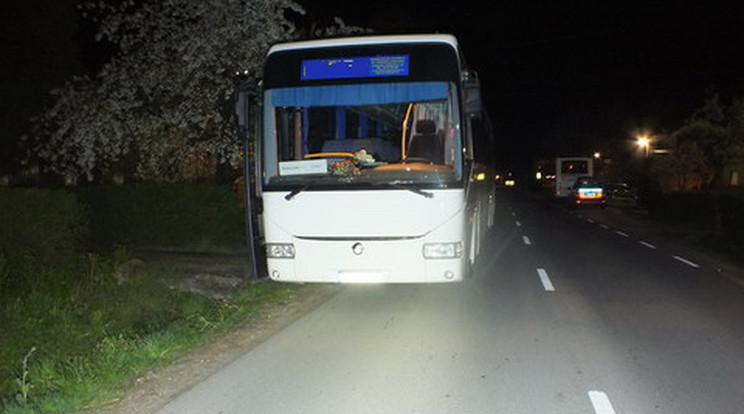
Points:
(73, 346)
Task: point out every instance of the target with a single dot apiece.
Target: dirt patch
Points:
(155, 388)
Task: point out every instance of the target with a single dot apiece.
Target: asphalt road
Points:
(565, 314)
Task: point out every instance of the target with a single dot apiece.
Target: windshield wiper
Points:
(296, 191)
(414, 190)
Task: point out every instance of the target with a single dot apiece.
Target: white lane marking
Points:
(601, 402)
(518, 223)
(590, 220)
(514, 214)
(687, 262)
(545, 280)
(604, 226)
(579, 216)
(526, 240)
(621, 233)
(647, 244)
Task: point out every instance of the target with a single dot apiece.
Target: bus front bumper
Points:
(370, 261)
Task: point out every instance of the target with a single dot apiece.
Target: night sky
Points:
(559, 78)
(569, 78)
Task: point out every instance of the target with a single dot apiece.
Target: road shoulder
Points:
(155, 388)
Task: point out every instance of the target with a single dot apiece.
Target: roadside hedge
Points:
(721, 215)
(692, 208)
(42, 229)
(732, 217)
(39, 229)
(197, 217)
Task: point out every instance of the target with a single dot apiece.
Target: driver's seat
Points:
(426, 143)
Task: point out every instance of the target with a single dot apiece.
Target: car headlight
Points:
(280, 251)
(442, 250)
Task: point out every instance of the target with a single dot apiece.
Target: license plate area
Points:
(362, 276)
(590, 193)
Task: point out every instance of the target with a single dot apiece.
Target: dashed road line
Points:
(601, 402)
(647, 244)
(545, 279)
(526, 240)
(518, 223)
(687, 262)
(690, 263)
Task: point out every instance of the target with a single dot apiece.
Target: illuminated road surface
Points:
(585, 318)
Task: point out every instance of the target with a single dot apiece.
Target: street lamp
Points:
(644, 143)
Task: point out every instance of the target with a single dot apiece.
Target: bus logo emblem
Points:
(357, 248)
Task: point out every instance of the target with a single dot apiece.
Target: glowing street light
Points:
(597, 155)
(644, 143)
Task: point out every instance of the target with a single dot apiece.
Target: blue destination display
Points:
(356, 67)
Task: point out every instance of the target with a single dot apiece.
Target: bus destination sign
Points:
(356, 67)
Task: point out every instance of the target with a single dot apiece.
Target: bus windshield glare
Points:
(361, 136)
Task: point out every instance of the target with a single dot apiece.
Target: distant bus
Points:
(363, 166)
(568, 170)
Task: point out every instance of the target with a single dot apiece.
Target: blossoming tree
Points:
(165, 98)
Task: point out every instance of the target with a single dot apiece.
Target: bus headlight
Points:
(442, 250)
(280, 251)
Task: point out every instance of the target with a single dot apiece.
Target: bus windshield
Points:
(363, 135)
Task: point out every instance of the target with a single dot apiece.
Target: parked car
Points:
(620, 191)
(587, 191)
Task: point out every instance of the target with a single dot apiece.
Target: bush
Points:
(173, 216)
(39, 229)
(693, 208)
(732, 217)
(721, 215)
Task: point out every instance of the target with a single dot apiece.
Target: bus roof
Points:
(366, 40)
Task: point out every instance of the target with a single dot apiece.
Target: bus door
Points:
(248, 112)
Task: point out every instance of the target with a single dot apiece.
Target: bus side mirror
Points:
(241, 108)
(472, 94)
(247, 92)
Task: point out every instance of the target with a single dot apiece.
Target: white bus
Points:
(363, 167)
(568, 170)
